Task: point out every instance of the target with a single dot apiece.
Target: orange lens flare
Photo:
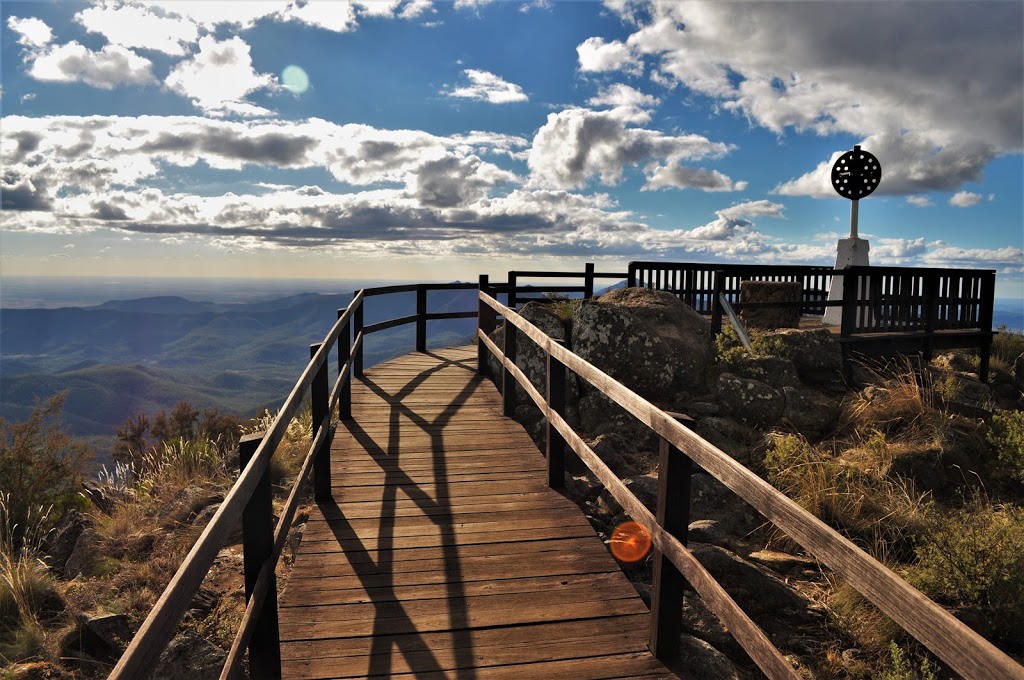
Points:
(630, 542)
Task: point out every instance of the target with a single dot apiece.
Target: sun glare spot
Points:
(295, 79)
(630, 542)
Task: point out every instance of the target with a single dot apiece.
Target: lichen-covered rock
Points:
(712, 501)
(778, 372)
(186, 504)
(815, 353)
(753, 587)
(97, 638)
(810, 413)
(617, 452)
(750, 400)
(189, 657)
(83, 555)
(698, 659)
(648, 340)
(60, 542)
(530, 359)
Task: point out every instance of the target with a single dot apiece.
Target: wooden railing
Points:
(893, 308)
(515, 286)
(961, 648)
(249, 499)
(698, 284)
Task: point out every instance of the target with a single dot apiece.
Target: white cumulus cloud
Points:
(106, 69)
(964, 199)
(220, 77)
(138, 27)
(886, 76)
(31, 32)
(596, 55)
(487, 87)
(578, 144)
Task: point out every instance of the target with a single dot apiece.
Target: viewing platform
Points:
(440, 545)
(445, 553)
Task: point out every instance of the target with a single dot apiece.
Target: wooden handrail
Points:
(142, 654)
(948, 638)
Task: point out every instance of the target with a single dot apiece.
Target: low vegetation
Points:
(132, 527)
(933, 494)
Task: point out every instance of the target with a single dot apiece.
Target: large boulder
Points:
(810, 413)
(530, 359)
(97, 638)
(753, 587)
(779, 372)
(189, 657)
(648, 340)
(815, 353)
(750, 400)
(60, 542)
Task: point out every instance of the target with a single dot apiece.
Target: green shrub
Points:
(973, 559)
(1006, 437)
(40, 464)
(903, 668)
(1007, 345)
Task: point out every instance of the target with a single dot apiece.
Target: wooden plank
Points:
(445, 550)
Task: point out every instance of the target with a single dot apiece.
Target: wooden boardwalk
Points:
(445, 554)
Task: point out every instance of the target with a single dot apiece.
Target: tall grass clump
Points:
(183, 462)
(882, 513)
(29, 598)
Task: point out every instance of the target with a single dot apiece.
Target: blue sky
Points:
(414, 139)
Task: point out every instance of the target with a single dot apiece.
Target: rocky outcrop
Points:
(810, 413)
(60, 542)
(648, 340)
(815, 354)
(778, 372)
(750, 400)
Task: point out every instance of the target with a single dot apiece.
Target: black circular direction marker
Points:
(856, 174)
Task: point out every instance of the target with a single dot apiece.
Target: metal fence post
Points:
(674, 472)
(319, 395)
(421, 318)
(257, 548)
(344, 356)
(555, 442)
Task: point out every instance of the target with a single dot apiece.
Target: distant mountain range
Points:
(139, 356)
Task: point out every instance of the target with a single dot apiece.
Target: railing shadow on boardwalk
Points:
(377, 576)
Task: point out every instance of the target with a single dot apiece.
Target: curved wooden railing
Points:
(961, 648)
(249, 499)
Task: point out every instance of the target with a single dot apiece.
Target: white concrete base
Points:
(851, 252)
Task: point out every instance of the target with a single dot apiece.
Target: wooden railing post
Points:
(716, 305)
(512, 290)
(508, 382)
(357, 329)
(631, 276)
(484, 322)
(674, 472)
(319, 394)
(588, 281)
(556, 402)
(421, 318)
(257, 548)
(987, 294)
(344, 354)
(930, 307)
